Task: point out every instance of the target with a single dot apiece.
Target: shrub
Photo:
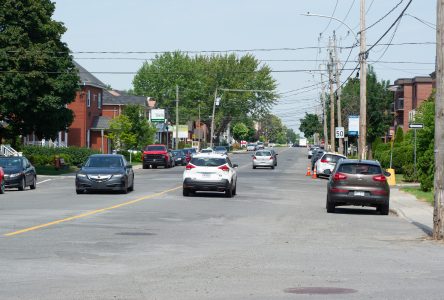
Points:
(44, 156)
(409, 173)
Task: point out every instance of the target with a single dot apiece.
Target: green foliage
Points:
(198, 78)
(399, 135)
(292, 136)
(240, 131)
(131, 130)
(38, 75)
(310, 125)
(44, 156)
(272, 129)
(136, 156)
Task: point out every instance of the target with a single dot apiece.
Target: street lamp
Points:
(363, 76)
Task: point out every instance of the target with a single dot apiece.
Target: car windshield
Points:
(155, 148)
(206, 151)
(10, 162)
(359, 168)
(220, 148)
(104, 162)
(177, 152)
(208, 162)
(263, 153)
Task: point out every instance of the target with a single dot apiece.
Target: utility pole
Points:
(363, 88)
(200, 128)
(332, 102)
(324, 111)
(438, 230)
(338, 93)
(212, 119)
(177, 118)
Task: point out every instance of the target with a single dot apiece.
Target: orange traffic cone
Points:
(308, 172)
(314, 174)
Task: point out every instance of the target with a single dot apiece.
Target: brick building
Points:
(409, 93)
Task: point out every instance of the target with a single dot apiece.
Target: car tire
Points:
(146, 166)
(330, 206)
(22, 186)
(254, 167)
(2, 187)
(229, 192)
(131, 188)
(272, 167)
(235, 188)
(79, 191)
(384, 209)
(185, 192)
(33, 184)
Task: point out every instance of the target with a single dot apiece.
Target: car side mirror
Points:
(277, 153)
(327, 172)
(129, 166)
(235, 165)
(79, 166)
(387, 174)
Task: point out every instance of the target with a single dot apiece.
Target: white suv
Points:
(210, 172)
(327, 161)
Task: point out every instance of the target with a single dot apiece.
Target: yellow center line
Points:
(93, 212)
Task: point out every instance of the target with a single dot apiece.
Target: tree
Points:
(131, 129)
(292, 136)
(38, 75)
(310, 125)
(240, 131)
(198, 78)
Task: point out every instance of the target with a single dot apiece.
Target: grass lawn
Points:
(416, 191)
(50, 170)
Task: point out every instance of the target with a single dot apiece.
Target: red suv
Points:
(2, 181)
(156, 155)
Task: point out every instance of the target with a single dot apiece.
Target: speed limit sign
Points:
(339, 132)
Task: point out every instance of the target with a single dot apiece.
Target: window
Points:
(99, 101)
(88, 99)
(360, 169)
(208, 162)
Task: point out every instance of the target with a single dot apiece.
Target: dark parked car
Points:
(360, 183)
(179, 157)
(103, 172)
(2, 181)
(19, 173)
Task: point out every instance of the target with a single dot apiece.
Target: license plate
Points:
(206, 175)
(359, 193)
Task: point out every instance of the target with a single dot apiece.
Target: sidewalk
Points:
(416, 212)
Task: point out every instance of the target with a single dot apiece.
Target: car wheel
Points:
(272, 167)
(22, 185)
(254, 167)
(229, 192)
(79, 191)
(235, 188)
(330, 206)
(186, 192)
(2, 187)
(145, 166)
(131, 188)
(383, 209)
(33, 184)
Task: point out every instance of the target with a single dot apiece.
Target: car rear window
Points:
(208, 161)
(155, 148)
(359, 169)
(263, 153)
(332, 158)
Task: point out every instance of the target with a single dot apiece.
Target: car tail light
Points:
(224, 168)
(271, 157)
(324, 161)
(189, 167)
(379, 178)
(336, 190)
(254, 157)
(339, 176)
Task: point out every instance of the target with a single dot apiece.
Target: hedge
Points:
(45, 156)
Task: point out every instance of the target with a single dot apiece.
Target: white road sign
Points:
(339, 132)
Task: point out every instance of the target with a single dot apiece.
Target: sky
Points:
(275, 32)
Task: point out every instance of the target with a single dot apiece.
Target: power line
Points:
(384, 16)
(332, 14)
(429, 24)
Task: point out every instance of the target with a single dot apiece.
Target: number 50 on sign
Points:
(339, 132)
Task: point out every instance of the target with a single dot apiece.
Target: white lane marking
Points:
(43, 181)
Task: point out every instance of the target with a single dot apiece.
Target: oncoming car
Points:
(18, 172)
(210, 172)
(105, 172)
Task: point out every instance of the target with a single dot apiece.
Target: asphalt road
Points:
(273, 240)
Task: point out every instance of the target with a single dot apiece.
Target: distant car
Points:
(18, 172)
(2, 181)
(207, 150)
(359, 183)
(192, 151)
(220, 150)
(156, 155)
(105, 172)
(251, 147)
(263, 158)
(210, 172)
(260, 146)
(327, 161)
(179, 157)
(311, 150)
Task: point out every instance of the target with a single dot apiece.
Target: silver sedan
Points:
(263, 158)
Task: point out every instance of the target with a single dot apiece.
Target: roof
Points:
(403, 81)
(86, 78)
(115, 97)
(211, 155)
(100, 122)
